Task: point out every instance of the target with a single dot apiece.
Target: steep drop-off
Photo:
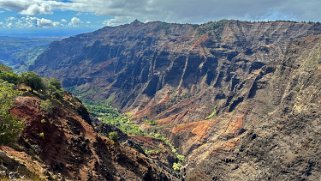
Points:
(59, 140)
(241, 100)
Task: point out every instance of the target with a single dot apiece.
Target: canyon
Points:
(241, 100)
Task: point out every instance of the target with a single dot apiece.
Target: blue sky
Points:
(68, 17)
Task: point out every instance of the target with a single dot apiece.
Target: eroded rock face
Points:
(62, 145)
(241, 100)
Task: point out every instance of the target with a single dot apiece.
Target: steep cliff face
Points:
(239, 98)
(63, 145)
(58, 142)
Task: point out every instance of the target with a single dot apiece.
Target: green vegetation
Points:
(4, 68)
(10, 127)
(177, 167)
(54, 88)
(213, 114)
(9, 76)
(11, 87)
(212, 27)
(47, 106)
(55, 84)
(42, 135)
(150, 122)
(180, 157)
(113, 136)
(32, 80)
(110, 115)
(152, 152)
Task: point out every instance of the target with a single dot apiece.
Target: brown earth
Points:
(61, 144)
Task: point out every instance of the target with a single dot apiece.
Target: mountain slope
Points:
(231, 95)
(59, 142)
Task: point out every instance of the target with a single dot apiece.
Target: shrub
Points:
(113, 135)
(150, 122)
(54, 88)
(152, 152)
(10, 128)
(47, 106)
(42, 135)
(32, 80)
(9, 77)
(213, 114)
(4, 68)
(55, 83)
(180, 157)
(177, 167)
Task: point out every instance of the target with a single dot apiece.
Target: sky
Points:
(68, 17)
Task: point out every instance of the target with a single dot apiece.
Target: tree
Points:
(54, 88)
(32, 80)
(9, 77)
(10, 128)
(55, 83)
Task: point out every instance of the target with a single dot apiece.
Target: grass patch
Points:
(110, 115)
(150, 122)
(213, 114)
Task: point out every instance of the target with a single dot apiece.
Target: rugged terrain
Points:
(59, 140)
(241, 100)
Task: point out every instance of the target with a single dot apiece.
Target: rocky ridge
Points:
(60, 143)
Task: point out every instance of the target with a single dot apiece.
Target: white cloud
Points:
(63, 20)
(193, 11)
(37, 9)
(74, 21)
(11, 18)
(118, 20)
(46, 23)
(36, 22)
(29, 22)
(9, 25)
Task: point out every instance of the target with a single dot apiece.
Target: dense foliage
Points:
(113, 135)
(10, 127)
(13, 85)
(32, 80)
(111, 116)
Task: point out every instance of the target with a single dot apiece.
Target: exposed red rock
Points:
(61, 144)
(258, 84)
